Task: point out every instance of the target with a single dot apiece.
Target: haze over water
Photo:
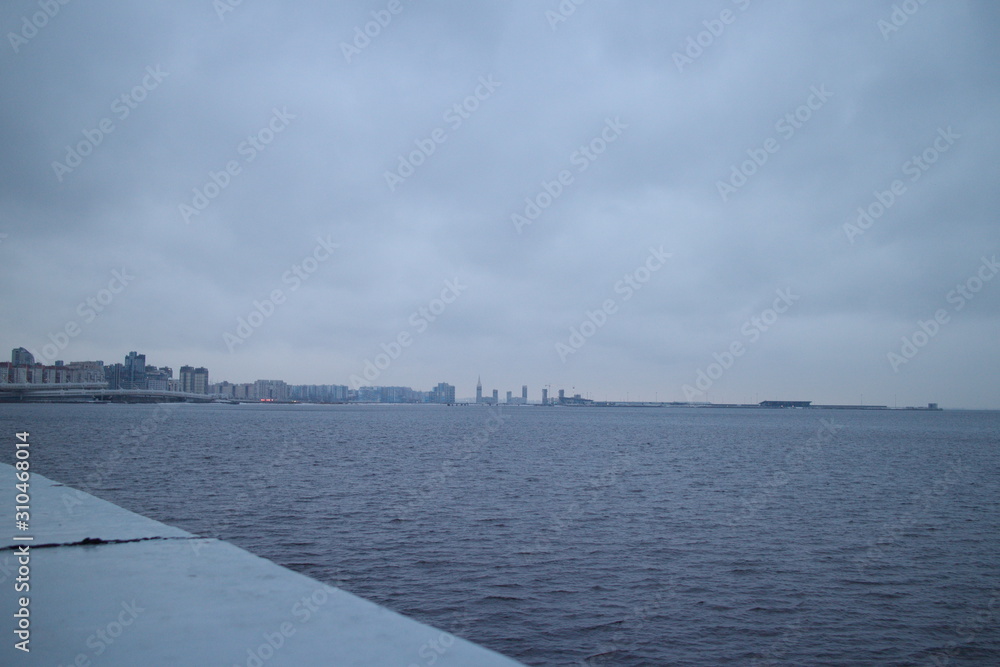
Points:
(561, 535)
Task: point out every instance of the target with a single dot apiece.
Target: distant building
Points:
(396, 395)
(244, 391)
(510, 396)
(186, 377)
(524, 393)
(135, 371)
(318, 393)
(270, 390)
(158, 379)
(194, 380)
(200, 380)
(479, 390)
(545, 396)
(85, 371)
(113, 375)
(785, 404)
(575, 400)
(21, 357)
(443, 393)
(223, 389)
(496, 397)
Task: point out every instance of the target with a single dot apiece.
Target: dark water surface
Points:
(563, 535)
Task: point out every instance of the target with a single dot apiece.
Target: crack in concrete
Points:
(97, 541)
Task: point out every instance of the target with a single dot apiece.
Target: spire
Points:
(479, 381)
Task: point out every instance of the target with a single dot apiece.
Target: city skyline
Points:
(635, 199)
(135, 373)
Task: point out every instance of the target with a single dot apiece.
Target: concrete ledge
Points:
(108, 586)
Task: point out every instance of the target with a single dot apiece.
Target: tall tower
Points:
(21, 357)
(135, 371)
(524, 393)
(479, 390)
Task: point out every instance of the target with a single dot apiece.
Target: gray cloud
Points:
(323, 175)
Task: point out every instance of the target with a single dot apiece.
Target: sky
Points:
(726, 201)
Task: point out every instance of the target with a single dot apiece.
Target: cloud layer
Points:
(535, 152)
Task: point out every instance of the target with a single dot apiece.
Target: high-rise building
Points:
(223, 389)
(194, 380)
(545, 396)
(318, 393)
(443, 393)
(135, 371)
(524, 393)
(270, 390)
(510, 395)
(496, 397)
(479, 390)
(200, 380)
(158, 378)
(85, 371)
(396, 395)
(113, 375)
(21, 357)
(186, 376)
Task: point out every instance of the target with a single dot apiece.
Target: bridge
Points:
(93, 391)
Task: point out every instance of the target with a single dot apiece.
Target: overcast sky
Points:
(739, 138)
